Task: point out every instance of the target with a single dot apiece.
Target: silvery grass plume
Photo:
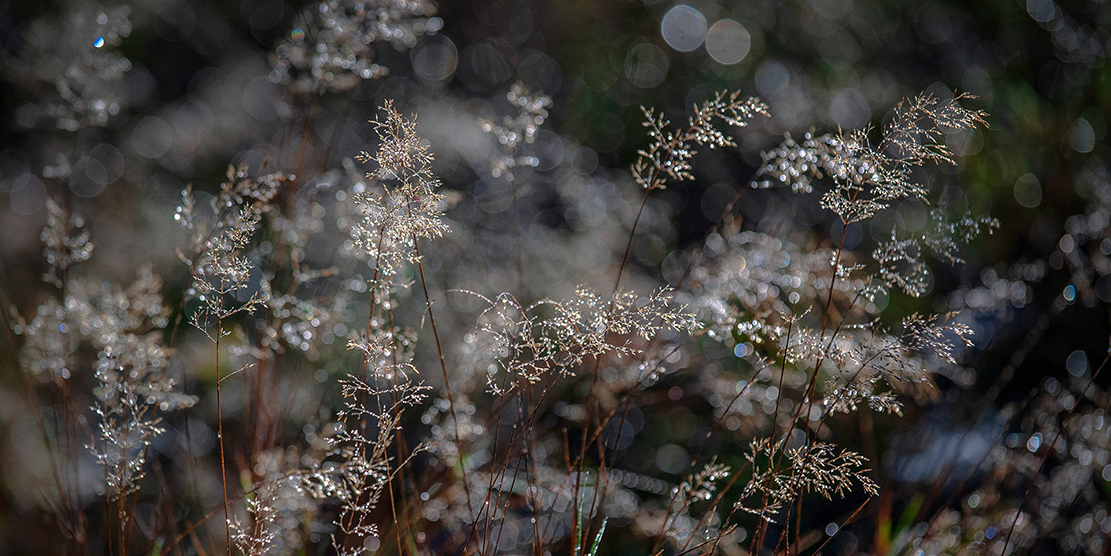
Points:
(814, 467)
(868, 179)
(224, 281)
(403, 206)
(669, 156)
(283, 513)
(257, 538)
(305, 305)
(511, 136)
(65, 242)
(332, 46)
(682, 521)
(760, 294)
(133, 386)
(124, 327)
(223, 278)
(366, 469)
(521, 348)
(514, 131)
(526, 343)
(395, 218)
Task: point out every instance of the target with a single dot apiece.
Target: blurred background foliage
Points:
(200, 93)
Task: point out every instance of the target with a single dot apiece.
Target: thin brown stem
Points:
(629, 243)
(847, 520)
(443, 369)
(220, 436)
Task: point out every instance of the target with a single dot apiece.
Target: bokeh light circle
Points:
(772, 79)
(1081, 136)
(684, 28)
(152, 137)
(728, 42)
(260, 99)
(646, 65)
(28, 195)
(540, 72)
(1028, 191)
(88, 178)
(112, 161)
(435, 59)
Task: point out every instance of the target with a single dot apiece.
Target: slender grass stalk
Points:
(220, 436)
